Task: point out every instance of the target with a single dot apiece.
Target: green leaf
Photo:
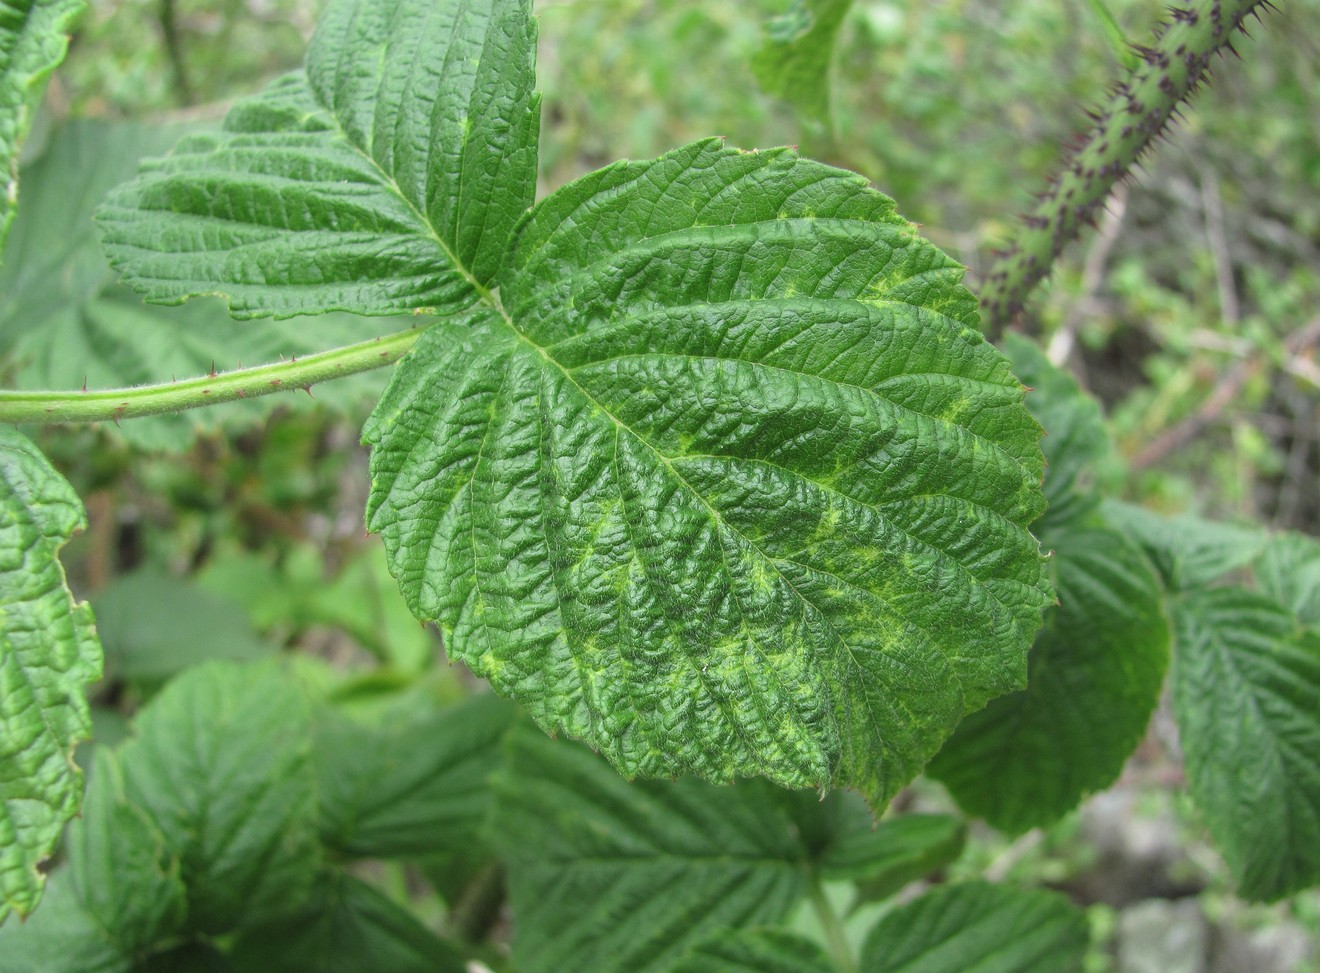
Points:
(979, 928)
(883, 858)
(222, 764)
(62, 937)
(755, 951)
(48, 655)
(1245, 683)
(1289, 572)
(731, 484)
(1096, 673)
(415, 787)
(119, 868)
(1077, 445)
(195, 957)
(623, 878)
(348, 927)
(794, 62)
(64, 321)
(153, 625)
(33, 39)
(385, 179)
(1191, 552)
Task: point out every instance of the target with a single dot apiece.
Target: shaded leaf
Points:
(48, 655)
(623, 878)
(731, 484)
(121, 872)
(1076, 444)
(348, 927)
(33, 39)
(1189, 551)
(1288, 571)
(384, 179)
(1096, 672)
(61, 937)
(887, 856)
(1246, 691)
(979, 928)
(414, 786)
(222, 763)
(794, 62)
(153, 625)
(755, 951)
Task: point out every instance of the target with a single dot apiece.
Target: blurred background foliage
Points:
(1192, 312)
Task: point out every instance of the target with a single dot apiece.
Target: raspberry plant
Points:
(704, 462)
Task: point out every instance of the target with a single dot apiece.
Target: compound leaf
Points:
(728, 484)
(979, 928)
(884, 857)
(1288, 570)
(756, 951)
(383, 179)
(623, 878)
(48, 655)
(1096, 672)
(222, 764)
(794, 62)
(1245, 681)
(1189, 551)
(33, 39)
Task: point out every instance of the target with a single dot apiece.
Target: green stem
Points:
(1140, 108)
(242, 383)
(829, 920)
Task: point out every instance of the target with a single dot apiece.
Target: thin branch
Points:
(243, 383)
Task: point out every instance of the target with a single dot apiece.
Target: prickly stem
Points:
(1137, 113)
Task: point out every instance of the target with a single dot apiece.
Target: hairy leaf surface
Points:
(623, 878)
(1096, 672)
(33, 39)
(1246, 683)
(222, 764)
(48, 655)
(728, 484)
(979, 928)
(383, 179)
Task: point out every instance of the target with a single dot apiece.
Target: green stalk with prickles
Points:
(1140, 108)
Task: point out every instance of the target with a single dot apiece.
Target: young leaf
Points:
(794, 63)
(33, 39)
(412, 789)
(222, 763)
(623, 878)
(348, 927)
(728, 485)
(383, 179)
(755, 951)
(48, 655)
(979, 928)
(1245, 681)
(1096, 672)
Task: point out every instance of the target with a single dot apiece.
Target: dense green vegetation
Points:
(702, 462)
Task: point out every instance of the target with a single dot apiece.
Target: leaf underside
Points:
(1244, 690)
(707, 463)
(48, 655)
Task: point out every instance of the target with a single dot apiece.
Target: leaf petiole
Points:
(242, 383)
